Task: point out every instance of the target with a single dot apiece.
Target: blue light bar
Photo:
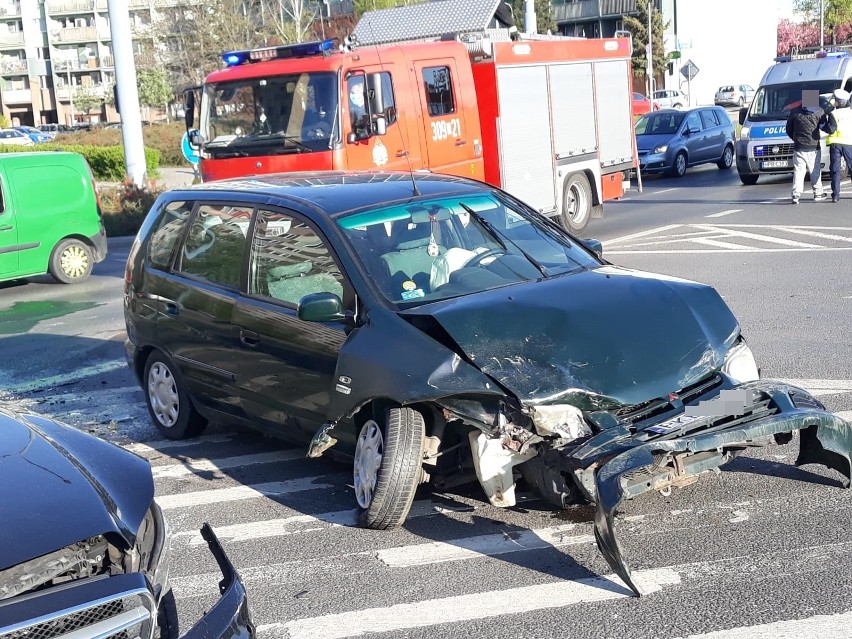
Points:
(299, 50)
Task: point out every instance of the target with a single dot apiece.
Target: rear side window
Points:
(709, 119)
(213, 249)
(167, 231)
(438, 85)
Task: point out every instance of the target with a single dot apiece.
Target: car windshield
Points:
(433, 249)
(775, 102)
(293, 113)
(660, 123)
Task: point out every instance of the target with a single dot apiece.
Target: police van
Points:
(763, 146)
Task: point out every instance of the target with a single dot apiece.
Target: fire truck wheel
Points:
(576, 203)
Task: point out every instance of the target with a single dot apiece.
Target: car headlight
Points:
(745, 132)
(662, 148)
(150, 554)
(740, 365)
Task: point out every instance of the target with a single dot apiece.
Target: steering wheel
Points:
(477, 259)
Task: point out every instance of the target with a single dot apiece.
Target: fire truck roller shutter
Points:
(613, 109)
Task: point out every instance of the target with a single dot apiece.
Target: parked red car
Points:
(642, 105)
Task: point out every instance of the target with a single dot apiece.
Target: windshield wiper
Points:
(267, 138)
(497, 236)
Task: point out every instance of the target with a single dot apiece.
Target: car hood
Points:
(597, 339)
(61, 486)
(650, 142)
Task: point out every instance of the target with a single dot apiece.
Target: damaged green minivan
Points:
(435, 329)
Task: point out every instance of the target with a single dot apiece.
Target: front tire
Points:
(71, 261)
(727, 159)
(679, 165)
(576, 203)
(388, 467)
(749, 179)
(168, 401)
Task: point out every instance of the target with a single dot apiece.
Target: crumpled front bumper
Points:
(229, 618)
(624, 461)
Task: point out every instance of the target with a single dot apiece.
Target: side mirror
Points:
(320, 307)
(743, 113)
(593, 245)
(380, 125)
(189, 112)
(195, 139)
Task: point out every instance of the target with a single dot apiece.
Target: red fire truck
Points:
(547, 119)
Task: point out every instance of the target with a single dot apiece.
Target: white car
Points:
(14, 137)
(671, 99)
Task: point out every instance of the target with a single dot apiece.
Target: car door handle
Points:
(249, 338)
(6, 227)
(402, 154)
(172, 308)
(461, 142)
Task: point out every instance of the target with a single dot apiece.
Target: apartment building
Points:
(52, 51)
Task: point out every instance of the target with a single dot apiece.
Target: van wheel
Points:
(387, 468)
(727, 158)
(168, 400)
(679, 165)
(749, 179)
(71, 261)
(576, 203)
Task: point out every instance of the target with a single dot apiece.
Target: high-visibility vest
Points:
(843, 135)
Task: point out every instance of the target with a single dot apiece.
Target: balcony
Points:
(10, 10)
(77, 34)
(12, 66)
(16, 96)
(62, 66)
(62, 92)
(11, 40)
(59, 7)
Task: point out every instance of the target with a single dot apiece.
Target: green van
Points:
(50, 220)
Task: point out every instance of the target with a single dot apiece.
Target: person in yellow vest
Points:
(839, 140)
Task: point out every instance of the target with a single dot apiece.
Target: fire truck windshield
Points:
(273, 115)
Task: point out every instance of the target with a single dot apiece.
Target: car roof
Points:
(336, 192)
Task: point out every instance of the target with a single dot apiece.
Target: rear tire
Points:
(387, 468)
(168, 401)
(576, 203)
(71, 261)
(749, 179)
(727, 159)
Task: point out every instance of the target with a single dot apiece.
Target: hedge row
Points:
(107, 162)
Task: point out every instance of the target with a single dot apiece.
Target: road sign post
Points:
(689, 71)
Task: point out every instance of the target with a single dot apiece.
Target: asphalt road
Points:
(756, 548)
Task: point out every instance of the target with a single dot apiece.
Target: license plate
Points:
(663, 428)
(774, 164)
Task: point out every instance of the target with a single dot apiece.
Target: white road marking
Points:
(484, 545)
(67, 378)
(664, 191)
(845, 414)
(820, 626)
(824, 236)
(724, 213)
(725, 245)
(729, 232)
(239, 493)
(196, 466)
(153, 448)
(815, 385)
(660, 229)
(460, 608)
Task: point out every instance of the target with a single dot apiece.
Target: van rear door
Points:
(9, 248)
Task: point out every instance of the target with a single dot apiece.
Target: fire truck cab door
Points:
(389, 151)
(449, 141)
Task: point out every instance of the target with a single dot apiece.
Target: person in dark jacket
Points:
(803, 126)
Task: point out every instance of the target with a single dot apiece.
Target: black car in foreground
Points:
(436, 329)
(84, 547)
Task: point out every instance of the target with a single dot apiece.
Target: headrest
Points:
(290, 270)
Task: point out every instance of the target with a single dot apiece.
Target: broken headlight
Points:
(150, 554)
(740, 365)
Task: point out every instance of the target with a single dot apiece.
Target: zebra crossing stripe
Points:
(239, 493)
(821, 626)
(197, 466)
(152, 448)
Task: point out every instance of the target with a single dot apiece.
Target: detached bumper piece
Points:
(624, 461)
(229, 618)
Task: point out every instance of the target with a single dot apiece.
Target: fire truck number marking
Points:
(444, 129)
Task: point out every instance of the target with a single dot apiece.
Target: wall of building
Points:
(730, 41)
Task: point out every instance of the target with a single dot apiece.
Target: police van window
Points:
(169, 228)
(438, 85)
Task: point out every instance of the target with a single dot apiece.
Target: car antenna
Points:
(415, 190)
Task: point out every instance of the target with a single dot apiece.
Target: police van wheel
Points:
(576, 203)
(749, 178)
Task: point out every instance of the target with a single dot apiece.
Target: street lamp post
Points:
(821, 25)
(650, 50)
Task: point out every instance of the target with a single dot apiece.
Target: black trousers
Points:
(835, 152)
